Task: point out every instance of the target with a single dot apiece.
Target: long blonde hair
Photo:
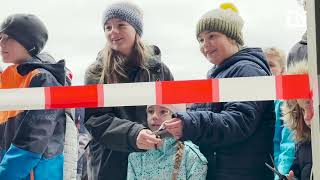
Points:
(293, 113)
(115, 64)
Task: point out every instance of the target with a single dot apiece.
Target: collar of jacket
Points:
(56, 69)
(169, 144)
(246, 54)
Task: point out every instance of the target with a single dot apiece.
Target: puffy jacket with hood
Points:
(32, 139)
(115, 129)
(235, 137)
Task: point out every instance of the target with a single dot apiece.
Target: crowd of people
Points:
(216, 141)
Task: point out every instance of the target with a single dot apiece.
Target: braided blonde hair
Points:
(178, 159)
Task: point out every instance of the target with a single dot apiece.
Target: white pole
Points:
(313, 19)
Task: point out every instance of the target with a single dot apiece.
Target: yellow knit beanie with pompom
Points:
(225, 20)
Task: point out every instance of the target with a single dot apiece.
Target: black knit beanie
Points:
(28, 30)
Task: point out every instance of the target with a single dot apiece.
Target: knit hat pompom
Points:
(230, 6)
(224, 19)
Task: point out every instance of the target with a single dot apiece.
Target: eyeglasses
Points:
(4, 38)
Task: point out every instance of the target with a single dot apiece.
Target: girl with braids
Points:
(171, 160)
(117, 131)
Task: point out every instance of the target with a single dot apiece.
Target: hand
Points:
(174, 127)
(146, 140)
(290, 176)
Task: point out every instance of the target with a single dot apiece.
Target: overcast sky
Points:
(76, 34)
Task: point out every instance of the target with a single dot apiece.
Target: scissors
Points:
(274, 169)
(161, 132)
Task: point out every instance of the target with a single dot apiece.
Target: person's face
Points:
(274, 63)
(308, 111)
(156, 115)
(216, 47)
(11, 50)
(120, 36)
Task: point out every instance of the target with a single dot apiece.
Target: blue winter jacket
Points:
(284, 146)
(31, 143)
(159, 164)
(235, 137)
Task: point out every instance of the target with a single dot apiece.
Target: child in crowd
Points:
(173, 159)
(32, 141)
(283, 143)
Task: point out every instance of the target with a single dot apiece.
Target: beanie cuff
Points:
(117, 14)
(218, 25)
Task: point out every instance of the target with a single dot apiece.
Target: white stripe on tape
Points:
(22, 99)
(247, 89)
(129, 94)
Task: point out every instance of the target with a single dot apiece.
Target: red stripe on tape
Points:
(73, 97)
(293, 87)
(158, 92)
(175, 92)
(100, 95)
(47, 97)
(215, 90)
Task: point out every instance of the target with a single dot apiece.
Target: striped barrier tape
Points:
(160, 92)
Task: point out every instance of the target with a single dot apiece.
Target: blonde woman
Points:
(118, 131)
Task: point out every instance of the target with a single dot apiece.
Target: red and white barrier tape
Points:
(161, 92)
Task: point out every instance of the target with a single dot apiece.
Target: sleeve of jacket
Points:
(196, 165)
(235, 123)
(295, 167)
(286, 155)
(32, 137)
(110, 131)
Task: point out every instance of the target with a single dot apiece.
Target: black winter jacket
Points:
(236, 137)
(302, 164)
(115, 129)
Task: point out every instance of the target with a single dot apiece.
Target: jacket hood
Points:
(47, 62)
(304, 39)
(246, 54)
